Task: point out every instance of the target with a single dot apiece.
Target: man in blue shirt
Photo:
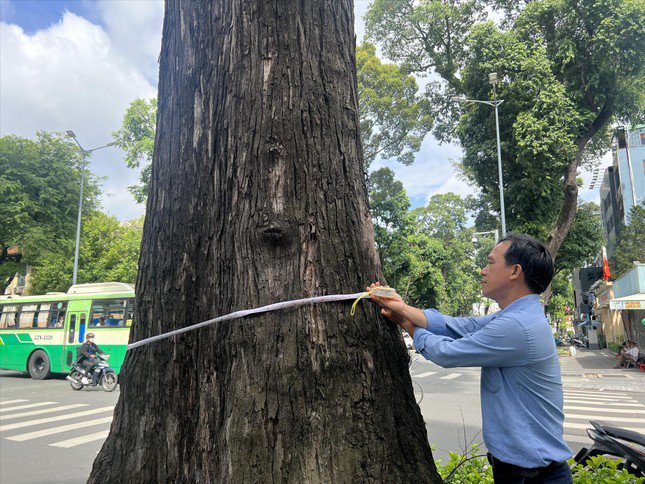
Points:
(521, 386)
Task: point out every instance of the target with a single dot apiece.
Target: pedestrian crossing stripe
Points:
(30, 423)
(23, 407)
(84, 439)
(58, 430)
(42, 411)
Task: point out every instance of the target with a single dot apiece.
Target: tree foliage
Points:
(567, 67)
(394, 119)
(136, 137)
(630, 247)
(39, 189)
(585, 240)
(426, 253)
(109, 251)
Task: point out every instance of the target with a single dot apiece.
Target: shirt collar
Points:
(519, 304)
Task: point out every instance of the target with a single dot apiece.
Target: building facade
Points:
(624, 182)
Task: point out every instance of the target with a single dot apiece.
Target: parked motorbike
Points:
(106, 376)
(577, 342)
(627, 445)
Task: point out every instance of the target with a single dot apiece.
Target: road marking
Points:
(58, 430)
(607, 418)
(451, 376)
(67, 416)
(589, 401)
(40, 412)
(427, 373)
(596, 396)
(66, 444)
(606, 410)
(570, 425)
(22, 407)
(578, 438)
(7, 402)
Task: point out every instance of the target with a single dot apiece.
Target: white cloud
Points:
(71, 76)
(135, 31)
(432, 172)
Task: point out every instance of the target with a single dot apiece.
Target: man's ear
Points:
(517, 272)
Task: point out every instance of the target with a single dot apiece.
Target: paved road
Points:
(51, 434)
(48, 432)
(451, 407)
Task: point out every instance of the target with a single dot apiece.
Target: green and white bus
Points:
(39, 334)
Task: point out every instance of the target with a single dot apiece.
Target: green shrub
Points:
(473, 468)
(600, 470)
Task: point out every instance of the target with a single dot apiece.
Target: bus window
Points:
(57, 315)
(81, 329)
(41, 315)
(112, 312)
(28, 315)
(10, 316)
(72, 329)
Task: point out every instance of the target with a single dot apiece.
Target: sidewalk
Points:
(595, 369)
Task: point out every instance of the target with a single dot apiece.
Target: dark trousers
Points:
(87, 366)
(554, 473)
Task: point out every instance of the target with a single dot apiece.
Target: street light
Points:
(494, 232)
(493, 80)
(85, 153)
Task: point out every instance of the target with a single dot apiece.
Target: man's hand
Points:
(396, 310)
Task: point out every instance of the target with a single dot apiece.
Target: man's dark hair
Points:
(535, 259)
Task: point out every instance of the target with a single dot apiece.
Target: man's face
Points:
(496, 276)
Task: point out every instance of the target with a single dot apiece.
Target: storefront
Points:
(629, 302)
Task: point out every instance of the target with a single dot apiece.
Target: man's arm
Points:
(443, 325)
(500, 343)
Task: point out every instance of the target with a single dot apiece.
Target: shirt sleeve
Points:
(500, 343)
(443, 325)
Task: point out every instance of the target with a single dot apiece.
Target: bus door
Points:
(74, 335)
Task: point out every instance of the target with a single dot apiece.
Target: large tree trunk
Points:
(258, 196)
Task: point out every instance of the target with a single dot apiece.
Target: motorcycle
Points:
(106, 376)
(627, 445)
(578, 343)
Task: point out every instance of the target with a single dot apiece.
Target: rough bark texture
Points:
(258, 196)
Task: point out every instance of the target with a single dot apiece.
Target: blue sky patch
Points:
(35, 15)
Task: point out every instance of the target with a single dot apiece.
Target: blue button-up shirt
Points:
(521, 385)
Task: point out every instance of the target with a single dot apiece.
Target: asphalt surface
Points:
(39, 444)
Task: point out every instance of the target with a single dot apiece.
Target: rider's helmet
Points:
(89, 335)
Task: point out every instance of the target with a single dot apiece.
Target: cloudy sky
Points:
(77, 64)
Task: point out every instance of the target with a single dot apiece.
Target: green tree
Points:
(585, 240)
(562, 297)
(630, 247)
(567, 67)
(392, 222)
(109, 251)
(426, 253)
(39, 189)
(394, 118)
(445, 219)
(136, 137)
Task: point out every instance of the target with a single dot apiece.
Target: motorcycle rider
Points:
(89, 352)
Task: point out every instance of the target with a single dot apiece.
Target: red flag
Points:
(606, 273)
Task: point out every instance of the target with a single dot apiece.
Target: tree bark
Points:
(258, 196)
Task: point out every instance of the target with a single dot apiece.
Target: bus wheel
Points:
(39, 367)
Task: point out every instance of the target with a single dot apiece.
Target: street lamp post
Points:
(493, 80)
(85, 153)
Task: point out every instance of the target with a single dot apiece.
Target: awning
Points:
(633, 302)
